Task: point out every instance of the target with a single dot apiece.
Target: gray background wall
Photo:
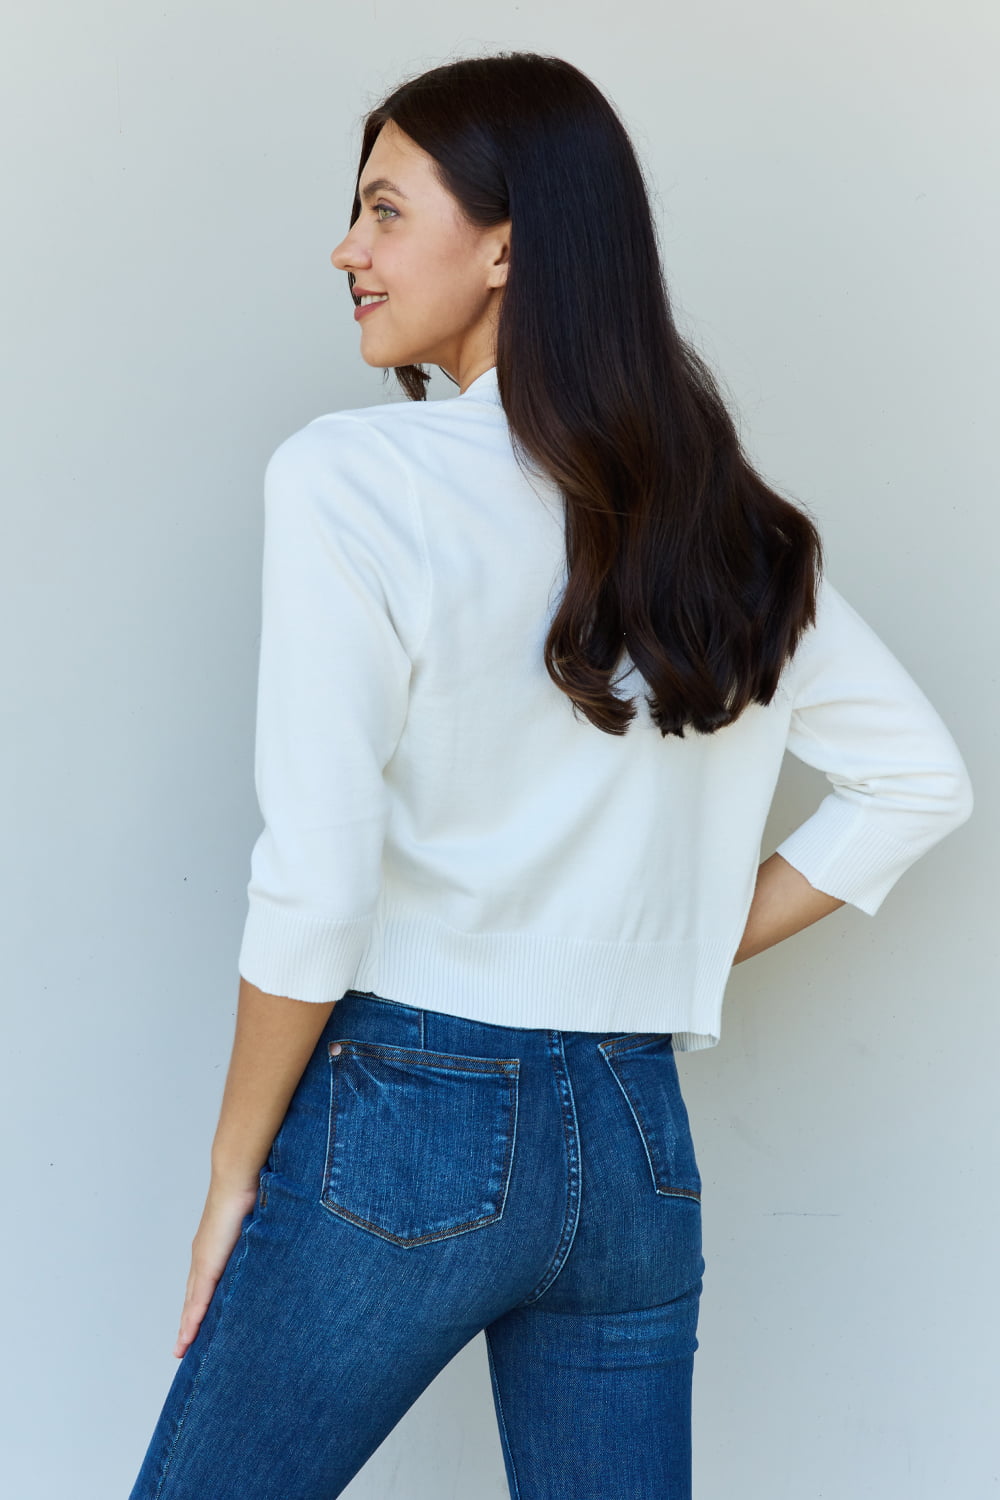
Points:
(174, 179)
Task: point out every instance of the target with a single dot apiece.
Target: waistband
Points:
(363, 1015)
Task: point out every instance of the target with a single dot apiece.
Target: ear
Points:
(499, 250)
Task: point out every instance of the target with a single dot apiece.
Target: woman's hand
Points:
(226, 1207)
(274, 1040)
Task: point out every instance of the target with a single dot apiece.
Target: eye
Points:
(379, 206)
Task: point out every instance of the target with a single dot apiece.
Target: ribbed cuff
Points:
(294, 953)
(841, 850)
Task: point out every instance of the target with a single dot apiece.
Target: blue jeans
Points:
(434, 1177)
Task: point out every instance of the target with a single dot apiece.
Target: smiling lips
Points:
(366, 306)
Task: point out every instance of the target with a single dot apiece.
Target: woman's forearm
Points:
(275, 1038)
(784, 902)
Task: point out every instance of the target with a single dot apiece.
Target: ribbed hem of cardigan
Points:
(519, 979)
(843, 851)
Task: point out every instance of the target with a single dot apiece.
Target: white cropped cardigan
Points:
(441, 828)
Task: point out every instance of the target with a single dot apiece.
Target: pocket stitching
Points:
(507, 1067)
(639, 1039)
(420, 1055)
(645, 1132)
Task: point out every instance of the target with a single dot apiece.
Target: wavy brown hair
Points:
(678, 553)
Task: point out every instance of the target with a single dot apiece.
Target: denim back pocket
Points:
(420, 1144)
(646, 1072)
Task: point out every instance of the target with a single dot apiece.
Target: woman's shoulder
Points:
(398, 417)
(368, 444)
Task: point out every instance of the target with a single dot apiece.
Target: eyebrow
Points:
(381, 185)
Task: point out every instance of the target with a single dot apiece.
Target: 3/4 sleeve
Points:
(343, 605)
(899, 782)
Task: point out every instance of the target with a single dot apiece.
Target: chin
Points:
(379, 360)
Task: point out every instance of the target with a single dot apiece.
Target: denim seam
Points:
(395, 1239)
(201, 1368)
(275, 1152)
(645, 1135)
(505, 1065)
(569, 1137)
(502, 1419)
(626, 1043)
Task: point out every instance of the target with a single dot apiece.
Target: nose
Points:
(349, 255)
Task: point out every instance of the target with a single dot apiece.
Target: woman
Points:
(530, 659)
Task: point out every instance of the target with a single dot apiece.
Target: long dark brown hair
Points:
(678, 553)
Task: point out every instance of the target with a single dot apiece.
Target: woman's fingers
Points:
(220, 1228)
(196, 1301)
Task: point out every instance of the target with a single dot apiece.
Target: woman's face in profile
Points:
(442, 276)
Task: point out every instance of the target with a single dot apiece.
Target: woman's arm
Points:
(345, 599)
(783, 903)
(898, 783)
(275, 1038)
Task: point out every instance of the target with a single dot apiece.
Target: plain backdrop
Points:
(174, 177)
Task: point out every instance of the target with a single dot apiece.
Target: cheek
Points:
(439, 277)
(451, 296)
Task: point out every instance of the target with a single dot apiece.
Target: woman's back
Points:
(478, 846)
